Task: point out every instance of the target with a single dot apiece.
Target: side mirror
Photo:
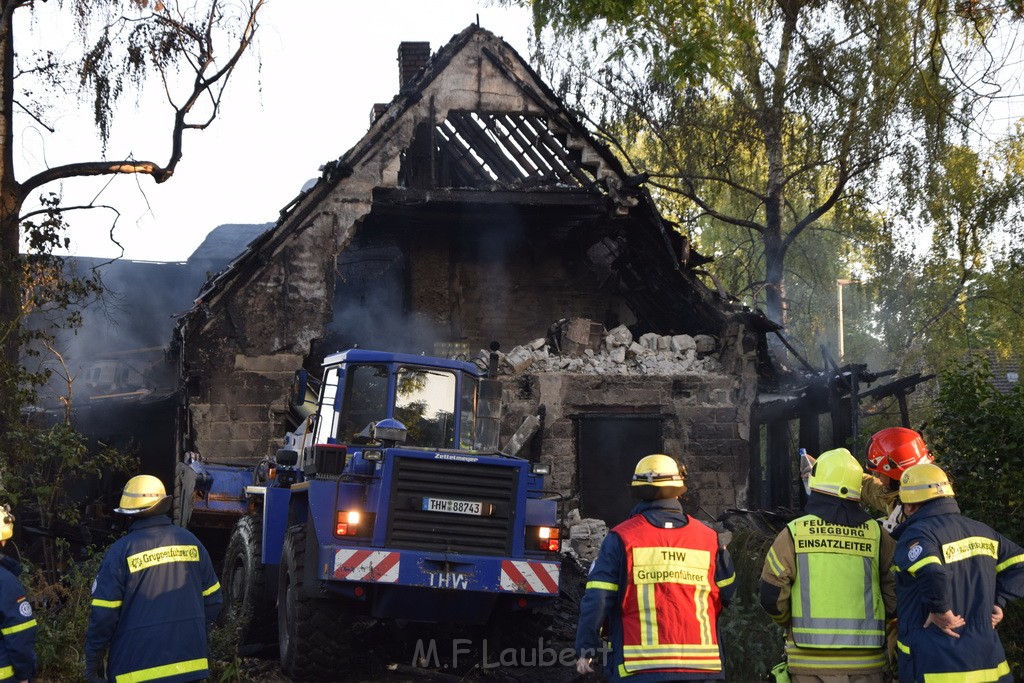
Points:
(297, 391)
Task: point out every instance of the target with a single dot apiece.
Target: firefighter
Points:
(953, 577)
(17, 625)
(891, 452)
(826, 580)
(154, 597)
(660, 581)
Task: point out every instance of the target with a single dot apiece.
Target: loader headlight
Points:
(546, 538)
(353, 523)
(540, 468)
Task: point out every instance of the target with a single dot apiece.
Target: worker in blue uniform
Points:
(659, 583)
(154, 598)
(954, 575)
(17, 625)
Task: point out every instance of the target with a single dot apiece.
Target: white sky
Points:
(324, 63)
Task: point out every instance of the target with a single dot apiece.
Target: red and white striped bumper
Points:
(366, 565)
(525, 576)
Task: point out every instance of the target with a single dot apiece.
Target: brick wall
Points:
(509, 292)
(703, 425)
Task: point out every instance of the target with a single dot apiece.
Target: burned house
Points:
(477, 208)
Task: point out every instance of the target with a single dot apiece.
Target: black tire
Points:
(246, 601)
(314, 633)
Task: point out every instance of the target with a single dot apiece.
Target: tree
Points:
(776, 119)
(124, 44)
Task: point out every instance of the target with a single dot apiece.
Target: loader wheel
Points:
(313, 632)
(246, 600)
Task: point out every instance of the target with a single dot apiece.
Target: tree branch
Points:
(97, 168)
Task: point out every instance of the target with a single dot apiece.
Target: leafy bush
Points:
(753, 643)
(978, 438)
(225, 664)
(62, 612)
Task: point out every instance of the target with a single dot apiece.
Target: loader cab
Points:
(436, 400)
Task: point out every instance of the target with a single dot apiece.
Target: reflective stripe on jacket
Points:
(837, 597)
(17, 626)
(945, 561)
(670, 602)
(152, 600)
(786, 602)
(601, 605)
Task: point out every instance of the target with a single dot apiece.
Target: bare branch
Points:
(34, 117)
(97, 168)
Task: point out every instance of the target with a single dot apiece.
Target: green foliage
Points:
(49, 294)
(799, 143)
(753, 643)
(126, 43)
(62, 612)
(978, 438)
(225, 663)
(686, 40)
(45, 463)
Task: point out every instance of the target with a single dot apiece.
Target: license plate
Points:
(459, 507)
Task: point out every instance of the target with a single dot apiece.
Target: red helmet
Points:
(893, 450)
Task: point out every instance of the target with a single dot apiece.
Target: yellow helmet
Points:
(143, 494)
(924, 482)
(837, 473)
(659, 470)
(6, 522)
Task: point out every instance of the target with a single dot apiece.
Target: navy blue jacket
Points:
(154, 596)
(17, 626)
(599, 606)
(945, 561)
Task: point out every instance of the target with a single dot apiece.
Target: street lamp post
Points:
(839, 300)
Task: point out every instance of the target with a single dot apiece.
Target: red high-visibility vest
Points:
(671, 603)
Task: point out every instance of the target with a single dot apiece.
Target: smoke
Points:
(120, 345)
(370, 303)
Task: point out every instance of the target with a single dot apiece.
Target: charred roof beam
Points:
(403, 196)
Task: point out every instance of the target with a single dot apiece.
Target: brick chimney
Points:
(411, 58)
(377, 111)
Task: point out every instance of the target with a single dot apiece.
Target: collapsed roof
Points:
(443, 149)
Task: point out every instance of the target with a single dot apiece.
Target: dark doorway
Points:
(607, 449)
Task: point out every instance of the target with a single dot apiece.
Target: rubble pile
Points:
(585, 536)
(580, 345)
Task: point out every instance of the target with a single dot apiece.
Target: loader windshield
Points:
(425, 403)
(436, 405)
(366, 399)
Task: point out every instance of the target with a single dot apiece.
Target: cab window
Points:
(425, 403)
(366, 400)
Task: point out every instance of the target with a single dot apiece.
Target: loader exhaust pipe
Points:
(488, 417)
(492, 361)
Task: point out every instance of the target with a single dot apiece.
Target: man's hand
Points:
(997, 615)
(93, 673)
(946, 621)
(583, 666)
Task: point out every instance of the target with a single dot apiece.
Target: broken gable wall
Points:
(462, 286)
(699, 406)
(264, 316)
